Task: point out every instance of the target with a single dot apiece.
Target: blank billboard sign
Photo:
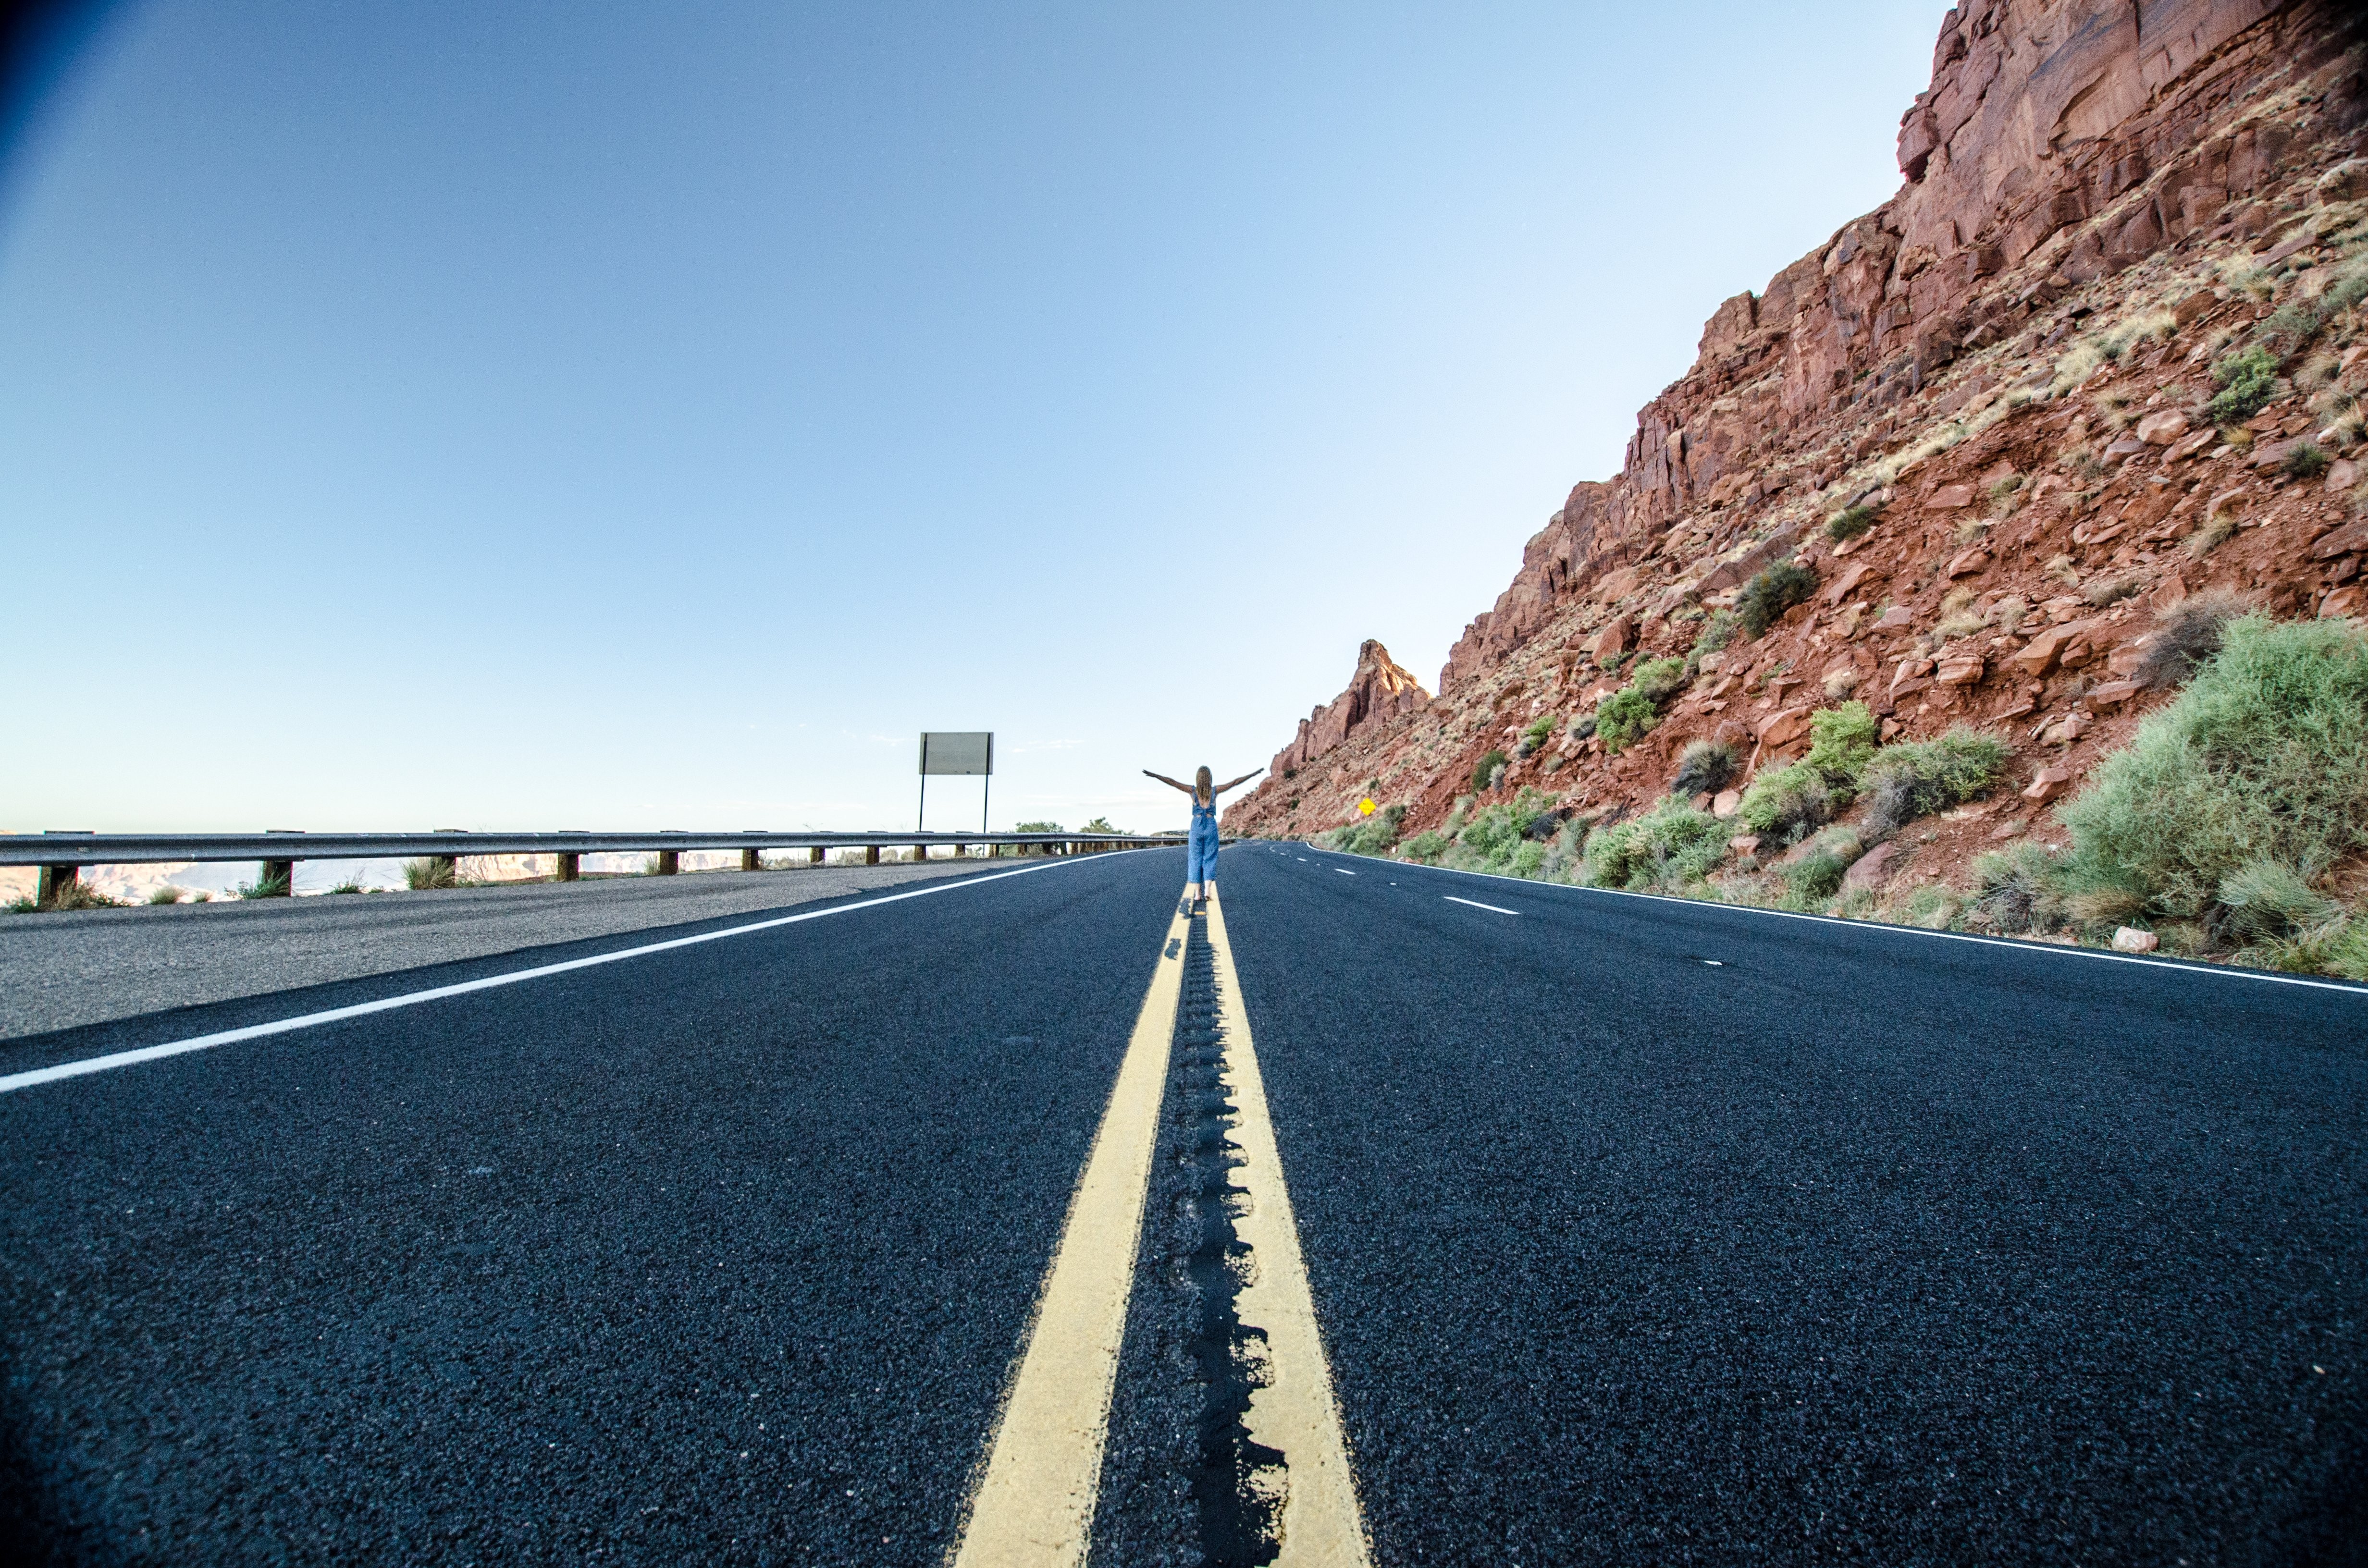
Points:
(957, 751)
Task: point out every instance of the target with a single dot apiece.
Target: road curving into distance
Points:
(1536, 1226)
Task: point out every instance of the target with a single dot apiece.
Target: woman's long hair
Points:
(1204, 783)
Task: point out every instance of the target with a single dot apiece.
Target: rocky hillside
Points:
(2095, 357)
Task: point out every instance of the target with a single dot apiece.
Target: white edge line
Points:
(89, 1064)
(2182, 966)
(1344, 870)
(1476, 904)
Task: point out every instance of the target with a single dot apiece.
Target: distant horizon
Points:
(449, 418)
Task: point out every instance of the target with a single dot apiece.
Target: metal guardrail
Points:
(62, 855)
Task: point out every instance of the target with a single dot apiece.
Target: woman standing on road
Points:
(1201, 849)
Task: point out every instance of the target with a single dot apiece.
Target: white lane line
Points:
(1034, 1506)
(1344, 871)
(1477, 905)
(25, 1080)
(1293, 1410)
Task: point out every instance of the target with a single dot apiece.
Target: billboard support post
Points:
(966, 752)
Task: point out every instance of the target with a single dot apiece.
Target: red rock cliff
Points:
(2044, 115)
(1380, 690)
(2169, 170)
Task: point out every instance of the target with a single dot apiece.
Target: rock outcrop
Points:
(1380, 690)
(2005, 364)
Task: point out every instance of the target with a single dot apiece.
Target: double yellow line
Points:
(1033, 1507)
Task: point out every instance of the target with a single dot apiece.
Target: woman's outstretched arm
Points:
(1169, 782)
(1243, 780)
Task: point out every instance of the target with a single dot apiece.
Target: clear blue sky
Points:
(542, 415)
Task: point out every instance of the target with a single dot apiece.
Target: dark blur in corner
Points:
(40, 39)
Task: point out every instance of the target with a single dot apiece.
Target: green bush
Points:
(1484, 772)
(1717, 632)
(1766, 597)
(2305, 461)
(1672, 845)
(1916, 779)
(1659, 680)
(1815, 877)
(1841, 742)
(1375, 835)
(2020, 888)
(1850, 522)
(1427, 846)
(2263, 756)
(2247, 380)
(1492, 840)
(1623, 718)
(1788, 802)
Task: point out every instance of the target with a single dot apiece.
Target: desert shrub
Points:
(1716, 632)
(1850, 522)
(1493, 839)
(1916, 779)
(1375, 835)
(269, 887)
(1426, 847)
(2247, 380)
(168, 893)
(1100, 824)
(2264, 757)
(1841, 742)
(1766, 597)
(443, 872)
(1541, 730)
(1704, 767)
(348, 886)
(2305, 461)
(77, 894)
(2019, 890)
(1788, 802)
(1659, 680)
(1624, 718)
(1484, 772)
(2185, 635)
(1815, 877)
(1931, 907)
(2262, 899)
(1670, 845)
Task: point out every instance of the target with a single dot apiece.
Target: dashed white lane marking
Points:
(1294, 1410)
(1344, 870)
(1477, 905)
(28, 1079)
(1034, 1506)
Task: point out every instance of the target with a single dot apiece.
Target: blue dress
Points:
(1201, 849)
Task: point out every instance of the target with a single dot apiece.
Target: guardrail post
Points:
(53, 880)
(961, 851)
(752, 859)
(871, 854)
(568, 868)
(814, 856)
(920, 853)
(278, 881)
(669, 863)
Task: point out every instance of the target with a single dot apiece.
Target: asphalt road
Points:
(1637, 1231)
(65, 969)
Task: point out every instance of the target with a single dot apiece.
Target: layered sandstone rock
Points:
(2073, 164)
(2092, 132)
(1380, 690)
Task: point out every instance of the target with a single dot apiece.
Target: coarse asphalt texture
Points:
(1852, 1243)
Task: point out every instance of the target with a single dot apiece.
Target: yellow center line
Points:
(1034, 1506)
(1295, 1411)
